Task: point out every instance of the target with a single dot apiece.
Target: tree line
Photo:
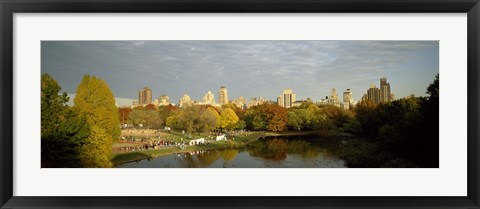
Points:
(401, 133)
(264, 117)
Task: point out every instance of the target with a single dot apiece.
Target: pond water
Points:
(268, 152)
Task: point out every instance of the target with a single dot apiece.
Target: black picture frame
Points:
(9, 7)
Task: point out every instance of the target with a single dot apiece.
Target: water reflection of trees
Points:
(279, 148)
(207, 158)
(228, 154)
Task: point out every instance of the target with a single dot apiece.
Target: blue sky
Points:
(246, 68)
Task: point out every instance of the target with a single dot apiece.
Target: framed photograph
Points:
(237, 104)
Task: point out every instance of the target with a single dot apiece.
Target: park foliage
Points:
(82, 135)
(401, 133)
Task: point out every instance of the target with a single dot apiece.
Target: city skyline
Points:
(247, 68)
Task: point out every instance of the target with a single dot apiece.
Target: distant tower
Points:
(333, 99)
(384, 90)
(287, 98)
(373, 94)
(347, 99)
(145, 96)
(223, 95)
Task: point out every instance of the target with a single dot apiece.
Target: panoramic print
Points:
(239, 104)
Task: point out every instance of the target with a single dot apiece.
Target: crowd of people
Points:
(150, 139)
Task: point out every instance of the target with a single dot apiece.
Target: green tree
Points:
(153, 119)
(96, 101)
(209, 119)
(241, 125)
(52, 105)
(63, 129)
(138, 116)
(294, 121)
(434, 88)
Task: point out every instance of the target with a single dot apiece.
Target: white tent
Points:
(196, 141)
(221, 137)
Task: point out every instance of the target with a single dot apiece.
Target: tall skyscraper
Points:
(347, 99)
(384, 90)
(145, 96)
(223, 95)
(287, 98)
(373, 94)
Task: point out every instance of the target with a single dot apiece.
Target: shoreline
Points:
(239, 142)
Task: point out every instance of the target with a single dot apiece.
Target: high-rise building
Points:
(145, 96)
(223, 95)
(185, 101)
(373, 94)
(240, 102)
(287, 98)
(209, 98)
(384, 90)
(163, 100)
(347, 99)
(256, 101)
(333, 98)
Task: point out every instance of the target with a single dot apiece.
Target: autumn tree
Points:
(151, 107)
(228, 119)
(278, 117)
(271, 117)
(123, 114)
(95, 100)
(166, 111)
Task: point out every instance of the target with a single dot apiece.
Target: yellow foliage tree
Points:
(95, 100)
(228, 119)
